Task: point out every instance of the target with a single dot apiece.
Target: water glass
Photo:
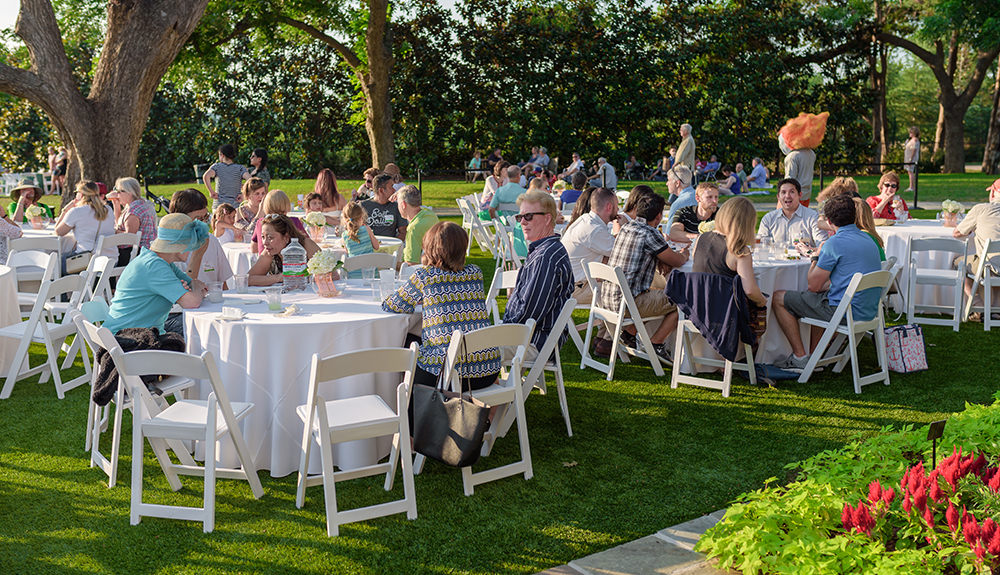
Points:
(242, 283)
(215, 292)
(386, 288)
(367, 275)
(387, 276)
(273, 298)
(376, 288)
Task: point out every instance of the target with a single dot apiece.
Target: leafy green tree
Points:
(25, 133)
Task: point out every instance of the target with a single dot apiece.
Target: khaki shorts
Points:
(650, 303)
(583, 294)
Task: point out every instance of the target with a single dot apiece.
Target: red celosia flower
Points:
(874, 492)
(988, 529)
(935, 491)
(995, 482)
(888, 495)
(970, 529)
(994, 547)
(980, 552)
(916, 474)
(847, 517)
(920, 500)
(929, 517)
(906, 503)
(951, 515)
(863, 520)
(978, 465)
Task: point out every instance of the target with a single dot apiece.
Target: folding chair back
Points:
(501, 280)
(985, 277)
(45, 244)
(30, 267)
(478, 228)
(507, 258)
(364, 417)
(376, 260)
(407, 270)
(936, 277)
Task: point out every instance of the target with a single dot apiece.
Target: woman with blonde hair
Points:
(726, 251)
(89, 218)
(132, 213)
(866, 222)
(275, 202)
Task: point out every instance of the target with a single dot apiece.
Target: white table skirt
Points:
(266, 360)
(895, 238)
(10, 314)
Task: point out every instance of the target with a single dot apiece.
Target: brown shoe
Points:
(603, 348)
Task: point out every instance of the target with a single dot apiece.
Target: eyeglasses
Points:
(528, 216)
(272, 216)
(894, 186)
(368, 181)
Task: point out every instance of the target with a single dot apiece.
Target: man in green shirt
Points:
(420, 220)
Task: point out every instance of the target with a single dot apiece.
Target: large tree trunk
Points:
(101, 130)
(954, 140)
(991, 157)
(378, 109)
(877, 64)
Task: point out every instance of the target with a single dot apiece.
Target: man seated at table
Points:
(639, 250)
(214, 265)
(792, 222)
(588, 239)
(507, 193)
(834, 264)
(420, 220)
(984, 219)
(684, 226)
(151, 284)
(384, 218)
(579, 182)
(365, 189)
(605, 176)
(545, 280)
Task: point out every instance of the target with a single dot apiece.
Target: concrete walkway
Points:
(666, 552)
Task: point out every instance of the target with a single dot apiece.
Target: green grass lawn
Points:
(643, 457)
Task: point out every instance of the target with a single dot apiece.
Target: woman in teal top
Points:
(357, 239)
(31, 194)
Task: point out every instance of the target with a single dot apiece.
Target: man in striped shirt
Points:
(545, 281)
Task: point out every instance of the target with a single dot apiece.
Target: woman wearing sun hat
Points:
(152, 284)
(32, 194)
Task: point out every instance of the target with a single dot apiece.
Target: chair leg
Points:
(115, 444)
(751, 367)
(727, 379)
(20, 356)
(329, 486)
(394, 454)
(208, 507)
(852, 342)
(679, 335)
(561, 388)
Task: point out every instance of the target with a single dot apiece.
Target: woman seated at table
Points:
(887, 202)
(275, 202)
(841, 185)
(26, 189)
(451, 293)
(725, 251)
(9, 229)
(253, 193)
(333, 201)
(277, 231)
(132, 213)
(866, 222)
(88, 218)
(213, 265)
(357, 236)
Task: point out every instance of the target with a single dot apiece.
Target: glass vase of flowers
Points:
(323, 266)
(317, 226)
(35, 213)
(950, 211)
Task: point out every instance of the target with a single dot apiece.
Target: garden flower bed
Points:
(877, 506)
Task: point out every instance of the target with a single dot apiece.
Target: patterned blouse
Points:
(246, 217)
(147, 220)
(451, 300)
(8, 230)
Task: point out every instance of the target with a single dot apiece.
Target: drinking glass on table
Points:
(367, 276)
(273, 298)
(215, 292)
(242, 283)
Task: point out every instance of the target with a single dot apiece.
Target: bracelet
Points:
(814, 259)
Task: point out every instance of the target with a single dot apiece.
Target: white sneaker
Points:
(792, 363)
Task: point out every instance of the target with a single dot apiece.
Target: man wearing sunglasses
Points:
(365, 189)
(888, 201)
(545, 281)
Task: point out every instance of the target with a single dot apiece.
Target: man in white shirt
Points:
(792, 222)
(984, 220)
(588, 239)
(573, 168)
(606, 177)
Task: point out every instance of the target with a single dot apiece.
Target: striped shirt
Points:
(544, 283)
(451, 300)
(147, 220)
(228, 179)
(357, 248)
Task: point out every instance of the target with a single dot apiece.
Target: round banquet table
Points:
(265, 360)
(772, 275)
(10, 314)
(895, 238)
(66, 243)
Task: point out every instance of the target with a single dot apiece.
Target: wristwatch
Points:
(814, 259)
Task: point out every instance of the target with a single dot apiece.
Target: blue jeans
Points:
(175, 324)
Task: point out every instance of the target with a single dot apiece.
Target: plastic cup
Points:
(242, 283)
(273, 298)
(387, 276)
(367, 275)
(386, 288)
(215, 292)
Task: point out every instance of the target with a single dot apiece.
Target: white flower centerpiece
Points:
(705, 227)
(317, 226)
(322, 266)
(950, 211)
(35, 213)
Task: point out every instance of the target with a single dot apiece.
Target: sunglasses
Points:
(528, 216)
(272, 216)
(368, 181)
(894, 186)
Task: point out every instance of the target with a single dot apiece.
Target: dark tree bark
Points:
(953, 104)
(103, 128)
(991, 157)
(878, 65)
(373, 76)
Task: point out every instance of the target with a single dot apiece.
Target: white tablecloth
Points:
(66, 243)
(266, 360)
(10, 314)
(895, 238)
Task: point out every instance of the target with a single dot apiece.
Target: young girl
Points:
(314, 202)
(253, 193)
(275, 202)
(223, 220)
(357, 239)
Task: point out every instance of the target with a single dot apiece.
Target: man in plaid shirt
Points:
(639, 249)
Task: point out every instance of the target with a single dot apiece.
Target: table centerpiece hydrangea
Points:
(317, 226)
(705, 227)
(950, 211)
(35, 213)
(322, 266)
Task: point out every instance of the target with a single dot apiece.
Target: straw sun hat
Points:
(171, 240)
(25, 184)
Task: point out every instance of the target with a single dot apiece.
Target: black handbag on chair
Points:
(447, 426)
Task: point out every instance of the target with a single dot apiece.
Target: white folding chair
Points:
(683, 349)
(363, 417)
(407, 270)
(626, 314)
(985, 277)
(117, 241)
(954, 278)
(25, 265)
(37, 330)
(830, 350)
(508, 392)
(507, 257)
(478, 229)
(376, 260)
(99, 417)
(207, 420)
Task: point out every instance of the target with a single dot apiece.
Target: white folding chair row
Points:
(186, 420)
(118, 241)
(986, 278)
(477, 229)
(508, 392)
(99, 417)
(367, 416)
(37, 330)
(683, 350)
(955, 278)
(625, 315)
(26, 266)
(377, 260)
(831, 349)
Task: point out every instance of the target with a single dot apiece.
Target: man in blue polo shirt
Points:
(846, 253)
